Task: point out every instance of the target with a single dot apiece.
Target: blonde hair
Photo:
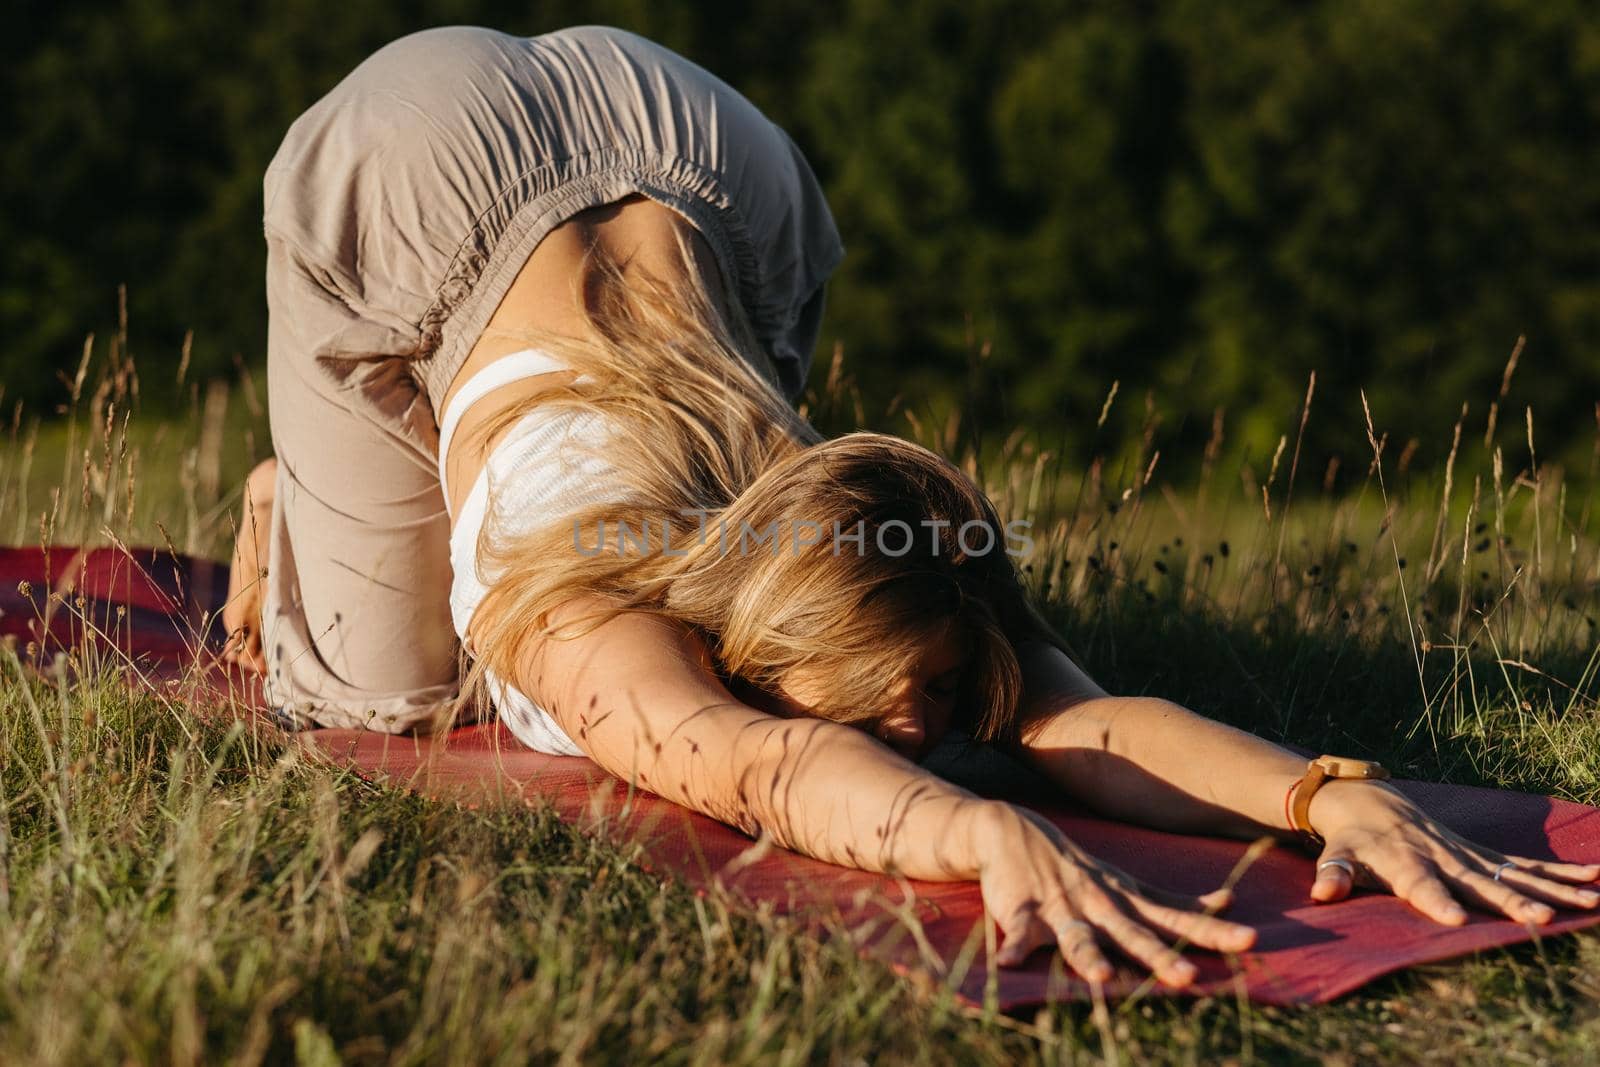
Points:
(694, 429)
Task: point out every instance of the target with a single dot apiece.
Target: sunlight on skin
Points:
(641, 696)
(241, 615)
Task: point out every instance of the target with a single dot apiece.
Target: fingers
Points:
(1139, 943)
(1210, 903)
(1336, 877)
(1526, 891)
(1425, 888)
(1026, 931)
(1560, 892)
(1122, 910)
(1021, 933)
(1505, 887)
(1079, 940)
(1202, 931)
(1197, 928)
(1485, 893)
(1079, 947)
(1419, 884)
(1577, 873)
(1042, 889)
(1176, 916)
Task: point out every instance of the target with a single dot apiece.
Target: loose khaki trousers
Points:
(398, 211)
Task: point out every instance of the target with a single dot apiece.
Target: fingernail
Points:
(1588, 899)
(1539, 913)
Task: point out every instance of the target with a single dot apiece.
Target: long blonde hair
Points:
(704, 442)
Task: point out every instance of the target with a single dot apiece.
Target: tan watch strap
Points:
(1319, 771)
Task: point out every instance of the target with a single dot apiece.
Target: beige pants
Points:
(399, 209)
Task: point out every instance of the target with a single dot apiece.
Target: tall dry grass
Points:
(179, 886)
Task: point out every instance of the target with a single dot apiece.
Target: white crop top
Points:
(544, 466)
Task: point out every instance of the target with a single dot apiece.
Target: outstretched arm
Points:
(1149, 761)
(1152, 762)
(639, 695)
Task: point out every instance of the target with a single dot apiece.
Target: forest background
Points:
(1203, 202)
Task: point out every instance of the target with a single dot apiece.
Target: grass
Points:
(185, 888)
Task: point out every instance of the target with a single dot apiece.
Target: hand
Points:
(1393, 845)
(1042, 889)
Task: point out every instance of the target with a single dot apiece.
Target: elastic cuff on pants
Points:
(417, 712)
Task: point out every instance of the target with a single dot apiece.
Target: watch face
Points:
(1343, 767)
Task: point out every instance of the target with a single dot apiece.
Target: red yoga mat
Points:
(1305, 953)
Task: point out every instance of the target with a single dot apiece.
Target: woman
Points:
(540, 309)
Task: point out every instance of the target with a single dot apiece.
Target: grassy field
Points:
(176, 887)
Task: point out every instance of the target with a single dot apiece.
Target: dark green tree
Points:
(1205, 200)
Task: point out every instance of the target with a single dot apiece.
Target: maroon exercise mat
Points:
(1306, 953)
(150, 613)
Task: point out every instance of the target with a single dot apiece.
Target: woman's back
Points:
(548, 297)
(449, 141)
(417, 204)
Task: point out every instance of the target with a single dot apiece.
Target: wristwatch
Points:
(1297, 801)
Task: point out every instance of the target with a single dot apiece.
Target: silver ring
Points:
(1343, 864)
(1498, 871)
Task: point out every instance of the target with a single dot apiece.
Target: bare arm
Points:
(1149, 761)
(1152, 762)
(638, 694)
